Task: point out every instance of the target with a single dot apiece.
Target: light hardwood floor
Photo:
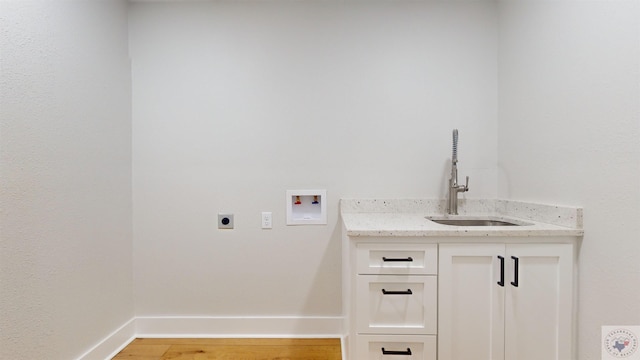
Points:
(231, 349)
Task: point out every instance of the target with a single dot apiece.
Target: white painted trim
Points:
(113, 343)
(214, 327)
(343, 347)
(239, 327)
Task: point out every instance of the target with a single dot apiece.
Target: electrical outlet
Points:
(225, 221)
(267, 220)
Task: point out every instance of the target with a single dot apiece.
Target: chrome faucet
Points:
(454, 188)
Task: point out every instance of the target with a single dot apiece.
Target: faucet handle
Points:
(466, 186)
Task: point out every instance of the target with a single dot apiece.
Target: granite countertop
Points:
(407, 217)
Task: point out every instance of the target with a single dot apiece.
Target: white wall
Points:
(236, 102)
(569, 133)
(65, 177)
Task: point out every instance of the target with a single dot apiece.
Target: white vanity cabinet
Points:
(506, 301)
(393, 300)
(415, 288)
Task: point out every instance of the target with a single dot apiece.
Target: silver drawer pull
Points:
(408, 292)
(393, 352)
(407, 259)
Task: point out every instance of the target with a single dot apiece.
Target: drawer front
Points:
(381, 347)
(397, 259)
(389, 304)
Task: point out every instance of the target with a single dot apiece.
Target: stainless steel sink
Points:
(474, 222)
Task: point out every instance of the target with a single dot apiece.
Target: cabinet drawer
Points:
(370, 347)
(389, 304)
(397, 259)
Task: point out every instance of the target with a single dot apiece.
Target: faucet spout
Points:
(454, 188)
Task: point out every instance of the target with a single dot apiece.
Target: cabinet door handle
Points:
(515, 271)
(393, 352)
(386, 259)
(501, 282)
(408, 292)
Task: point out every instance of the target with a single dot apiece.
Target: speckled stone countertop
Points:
(407, 217)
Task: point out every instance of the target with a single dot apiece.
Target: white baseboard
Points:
(238, 326)
(112, 344)
(214, 327)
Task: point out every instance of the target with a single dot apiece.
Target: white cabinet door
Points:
(471, 303)
(505, 302)
(539, 310)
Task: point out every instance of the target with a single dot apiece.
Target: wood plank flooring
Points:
(231, 349)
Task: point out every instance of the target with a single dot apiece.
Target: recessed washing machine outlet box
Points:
(306, 207)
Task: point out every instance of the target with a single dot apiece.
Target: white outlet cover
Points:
(225, 221)
(267, 220)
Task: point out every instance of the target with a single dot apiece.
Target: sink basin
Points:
(474, 221)
(478, 222)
